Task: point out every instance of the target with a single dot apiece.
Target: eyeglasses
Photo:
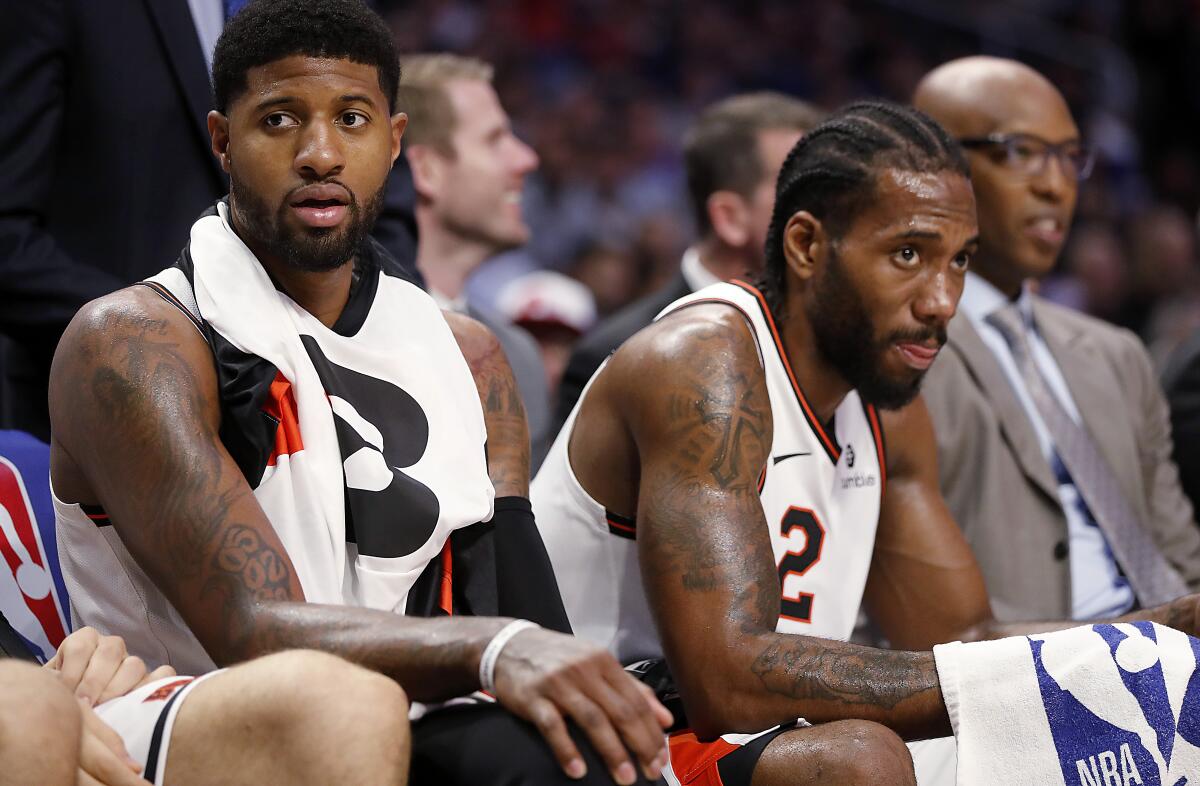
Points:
(1028, 155)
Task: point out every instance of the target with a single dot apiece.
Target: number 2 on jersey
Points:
(798, 606)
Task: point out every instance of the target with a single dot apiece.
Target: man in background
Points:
(469, 170)
(1053, 440)
(732, 155)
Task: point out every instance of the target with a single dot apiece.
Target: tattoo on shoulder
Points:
(717, 424)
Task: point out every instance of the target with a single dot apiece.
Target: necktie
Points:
(1152, 577)
(232, 7)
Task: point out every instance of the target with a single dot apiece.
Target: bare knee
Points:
(872, 754)
(324, 701)
(39, 727)
(295, 717)
(849, 753)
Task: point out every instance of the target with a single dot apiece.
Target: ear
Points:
(428, 170)
(730, 217)
(805, 244)
(399, 122)
(218, 134)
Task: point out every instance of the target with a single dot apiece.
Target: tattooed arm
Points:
(925, 586)
(503, 412)
(702, 432)
(133, 401)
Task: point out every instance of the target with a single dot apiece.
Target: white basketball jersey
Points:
(821, 490)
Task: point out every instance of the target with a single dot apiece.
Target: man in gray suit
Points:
(469, 169)
(1053, 440)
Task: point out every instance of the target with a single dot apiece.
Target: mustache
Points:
(920, 336)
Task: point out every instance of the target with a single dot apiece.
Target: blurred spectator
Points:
(1166, 288)
(1097, 278)
(468, 170)
(609, 273)
(732, 157)
(556, 310)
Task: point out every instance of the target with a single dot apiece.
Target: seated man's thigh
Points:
(39, 727)
(485, 745)
(294, 717)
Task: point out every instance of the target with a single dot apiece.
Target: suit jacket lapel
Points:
(177, 33)
(1092, 384)
(1014, 423)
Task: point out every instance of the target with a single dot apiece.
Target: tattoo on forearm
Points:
(255, 564)
(803, 668)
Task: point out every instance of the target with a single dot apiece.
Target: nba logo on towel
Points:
(28, 596)
(1135, 719)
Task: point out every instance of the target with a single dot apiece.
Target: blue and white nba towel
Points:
(1098, 705)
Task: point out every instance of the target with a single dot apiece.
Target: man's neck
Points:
(824, 387)
(723, 261)
(446, 259)
(323, 294)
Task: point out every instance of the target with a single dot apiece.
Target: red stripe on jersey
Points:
(281, 405)
(877, 431)
(831, 447)
(446, 594)
(694, 762)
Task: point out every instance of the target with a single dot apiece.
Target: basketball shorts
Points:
(730, 759)
(145, 717)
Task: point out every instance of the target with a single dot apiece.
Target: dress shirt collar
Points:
(980, 298)
(694, 272)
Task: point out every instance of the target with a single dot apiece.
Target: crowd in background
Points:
(603, 89)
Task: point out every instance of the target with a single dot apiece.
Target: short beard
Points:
(845, 336)
(313, 250)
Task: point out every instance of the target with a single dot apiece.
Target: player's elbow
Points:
(717, 706)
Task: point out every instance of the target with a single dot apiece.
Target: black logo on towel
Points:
(381, 429)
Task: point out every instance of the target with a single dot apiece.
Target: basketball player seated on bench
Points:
(276, 443)
(748, 468)
(59, 723)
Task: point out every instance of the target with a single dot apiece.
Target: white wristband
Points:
(491, 653)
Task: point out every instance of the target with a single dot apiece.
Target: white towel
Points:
(1098, 705)
(405, 346)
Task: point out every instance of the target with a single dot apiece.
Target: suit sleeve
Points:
(41, 287)
(1172, 518)
(1183, 397)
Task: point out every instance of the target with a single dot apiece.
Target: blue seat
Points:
(33, 597)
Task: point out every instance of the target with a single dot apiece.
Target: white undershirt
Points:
(1097, 588)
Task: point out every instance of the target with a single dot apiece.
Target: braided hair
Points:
(831, 173)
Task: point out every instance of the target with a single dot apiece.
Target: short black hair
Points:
(269, 30)
(831, 172)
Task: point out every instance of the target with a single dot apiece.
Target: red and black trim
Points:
(168, 296)
(831, 447)
(880, 444)
(96, 514)
(621, 526)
